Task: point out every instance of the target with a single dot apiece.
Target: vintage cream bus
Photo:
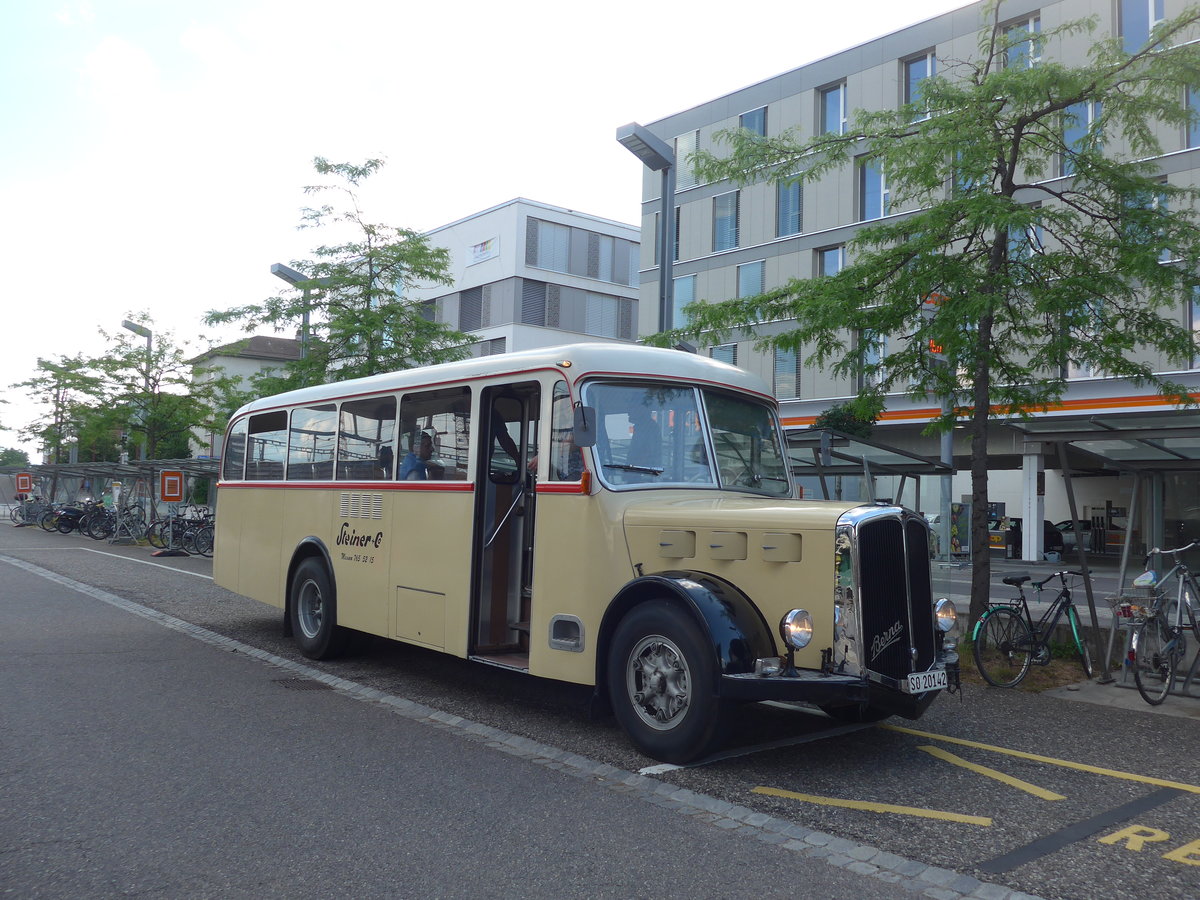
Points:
(608, 515)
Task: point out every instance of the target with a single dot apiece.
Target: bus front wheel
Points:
(312, 608)
(661, 678)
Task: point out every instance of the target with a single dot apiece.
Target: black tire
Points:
(65, 525)
(1153, 660)
(48, 520)
(661, 676)
(154, 535)
(101, 527)
(312, 606)
(1081, 644)
(1003, 647)
(204, 540)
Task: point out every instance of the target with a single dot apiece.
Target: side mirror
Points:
(585, 426)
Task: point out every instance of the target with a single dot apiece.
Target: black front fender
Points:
(738, 632)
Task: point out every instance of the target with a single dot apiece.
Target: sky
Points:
(153, 152)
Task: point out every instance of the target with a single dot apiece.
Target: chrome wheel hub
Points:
(658, 682)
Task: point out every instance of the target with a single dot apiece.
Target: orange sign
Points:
(170, 486)
(24, 483)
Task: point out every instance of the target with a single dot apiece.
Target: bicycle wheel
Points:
(1081, 644)
(155, 535)
(1003, 647)
(204, 540)
(1153, 659)
(49, 520)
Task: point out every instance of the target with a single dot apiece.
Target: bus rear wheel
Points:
(312, 608)
(661, 681)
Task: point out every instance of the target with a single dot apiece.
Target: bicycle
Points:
(1159, 642)
(1007, 641)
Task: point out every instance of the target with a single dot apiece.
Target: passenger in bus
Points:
(414, 467)
(385, 460)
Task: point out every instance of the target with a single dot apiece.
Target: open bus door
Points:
(504, 516)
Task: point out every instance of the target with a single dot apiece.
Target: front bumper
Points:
(824, 689)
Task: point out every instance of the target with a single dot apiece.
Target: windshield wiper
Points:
(626, 467)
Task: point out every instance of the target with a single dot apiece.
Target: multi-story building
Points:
(528, 275)
(733, 240)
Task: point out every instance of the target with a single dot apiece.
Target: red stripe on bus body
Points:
(455, 486)
(560, 489)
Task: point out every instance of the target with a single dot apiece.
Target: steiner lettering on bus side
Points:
(349, 537)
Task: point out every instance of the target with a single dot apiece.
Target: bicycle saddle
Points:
(1016, 580)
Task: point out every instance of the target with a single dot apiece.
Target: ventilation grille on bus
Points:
(361, 506)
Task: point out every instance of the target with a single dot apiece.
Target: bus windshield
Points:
(668, 435)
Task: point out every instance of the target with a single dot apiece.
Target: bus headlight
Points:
(946, 614)
(796, 629)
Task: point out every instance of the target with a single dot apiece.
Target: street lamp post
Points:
(658, 156)
(145, 332)
(296, 279)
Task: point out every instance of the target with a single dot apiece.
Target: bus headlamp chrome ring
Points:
(796, 629)
(946, 614)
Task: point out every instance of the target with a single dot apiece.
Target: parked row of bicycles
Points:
(1007, 642)
(187, 527)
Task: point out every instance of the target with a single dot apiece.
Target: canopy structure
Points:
(826, 453)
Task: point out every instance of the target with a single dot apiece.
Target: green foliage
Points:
(1032, 271)
(11, 456)
(846, 419)
(129, 398)
(358, 322)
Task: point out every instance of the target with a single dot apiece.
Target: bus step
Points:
(519, 626)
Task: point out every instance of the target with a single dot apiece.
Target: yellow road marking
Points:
(875, 807)
(1010, 780)
(1049, 760)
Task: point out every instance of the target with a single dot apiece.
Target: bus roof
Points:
(574, 361)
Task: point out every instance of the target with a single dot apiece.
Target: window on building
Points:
(493, 347)
(553, 246)
(685, 146)
(675, 247)
(366, 439)
(1085, 334)
(602, 315)
(1080, 132)
(832, 109)
(726, 353)
(725, 221)
(427, 310)
(1137, 20)
(830, 260)
(1024, 43)
(872, 350)
(874, 199)
(470, 309)
(1193, 129)
(789, 208)
(683, 292)
(1193, 320)
(787, 374)
(916, 70)
(533, 302)
(755, 120)
(750, 278)
(1144, 222)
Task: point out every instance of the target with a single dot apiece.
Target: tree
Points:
(11, 456)
(64, 387)
(845, 419)
(359, 324)
(155, 391)
(1007, 271)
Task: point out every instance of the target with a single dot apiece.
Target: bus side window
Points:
(566, 461)
(365, 439)
(435, 435)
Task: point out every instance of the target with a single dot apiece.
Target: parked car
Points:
(1052, 538)
(1067, 529)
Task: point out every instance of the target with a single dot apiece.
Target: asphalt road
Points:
(141, 759)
